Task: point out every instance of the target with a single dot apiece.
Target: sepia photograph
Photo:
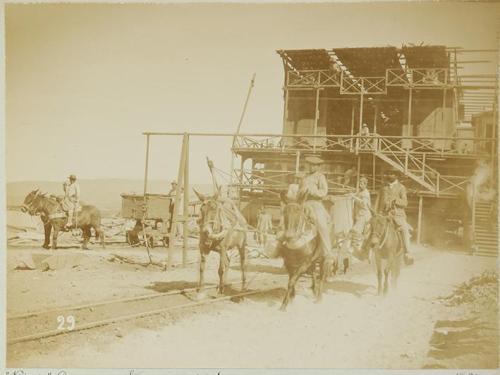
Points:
(251, 186)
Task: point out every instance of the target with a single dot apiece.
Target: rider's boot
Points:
(408, 258)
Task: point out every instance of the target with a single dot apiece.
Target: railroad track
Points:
(67, 320)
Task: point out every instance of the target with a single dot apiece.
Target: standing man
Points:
(264, 226)
(172, 195)
(71, 199)
(315, 188)
(392, 200)
(362, 216)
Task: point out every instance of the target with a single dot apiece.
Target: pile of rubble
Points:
(482, 289)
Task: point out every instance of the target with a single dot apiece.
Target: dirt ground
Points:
(432, 320)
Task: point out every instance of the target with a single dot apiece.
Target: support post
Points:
(297, 162)
(410, 96)
(177, 200)
(316, 117)
(419, 222)
(185, 229)
(352, 123)
(360, 119)
(145, 207)
(374, 172)
(357, 175)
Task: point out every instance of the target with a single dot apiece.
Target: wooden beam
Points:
(185, 229)
(419, 222)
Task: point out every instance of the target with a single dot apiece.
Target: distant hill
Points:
(103, 193)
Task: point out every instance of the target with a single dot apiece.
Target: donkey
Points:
(300, 248)
(388, 250)
(222, 228)
(53, 217)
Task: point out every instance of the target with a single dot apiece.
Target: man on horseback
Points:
(71, 199)
(392, 200)
(315, 188)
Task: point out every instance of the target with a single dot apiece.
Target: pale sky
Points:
(84, 81)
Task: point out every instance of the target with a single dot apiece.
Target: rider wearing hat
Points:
(315, 188)
(392, 200)
(71, 198)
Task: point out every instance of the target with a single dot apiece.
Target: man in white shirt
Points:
(71, 199)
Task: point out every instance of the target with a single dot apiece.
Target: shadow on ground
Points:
(163, 287)
(263, 268)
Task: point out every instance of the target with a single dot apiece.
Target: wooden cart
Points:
(152, 213)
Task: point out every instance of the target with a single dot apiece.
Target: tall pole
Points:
(146, 168)
(244, 107)
(145, 206)
(185, 229)
(177, 201)
(233, 155)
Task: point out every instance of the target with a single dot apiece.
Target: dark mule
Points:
(53, 217)
(300, 249)
(220, 232)
(388, 250)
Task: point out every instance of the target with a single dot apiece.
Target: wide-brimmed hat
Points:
(72, 177)
(314, 160)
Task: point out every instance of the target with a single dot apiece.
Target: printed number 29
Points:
(70, 320)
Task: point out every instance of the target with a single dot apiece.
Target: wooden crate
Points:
(158, 206)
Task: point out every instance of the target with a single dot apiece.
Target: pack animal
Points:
(54, 218)
(220, 232)
(300, 249)
(388, 250)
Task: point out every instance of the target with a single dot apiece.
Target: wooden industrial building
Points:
(411, 108)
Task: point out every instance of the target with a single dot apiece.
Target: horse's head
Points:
(378, 226)
(294, 216)
(209, 220)
(31, 202)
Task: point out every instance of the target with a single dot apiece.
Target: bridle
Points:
(29, 207)
(384, 234)
(214, 221)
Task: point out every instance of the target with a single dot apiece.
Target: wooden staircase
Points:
(486, 231)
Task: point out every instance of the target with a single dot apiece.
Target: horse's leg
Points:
(386, 277)
(203, 263)
(314, 276)
(346, 264)
(222, 270)
(243, 259)
(378, 262)
(86, 236)
(47, 228)
(99, 235)
(55, 234)
(290, 293)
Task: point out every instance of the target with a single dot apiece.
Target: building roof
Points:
(367, 61)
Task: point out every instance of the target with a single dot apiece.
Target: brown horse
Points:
(388, 250)
(300, 248)
(220, 232)
(55, 218)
